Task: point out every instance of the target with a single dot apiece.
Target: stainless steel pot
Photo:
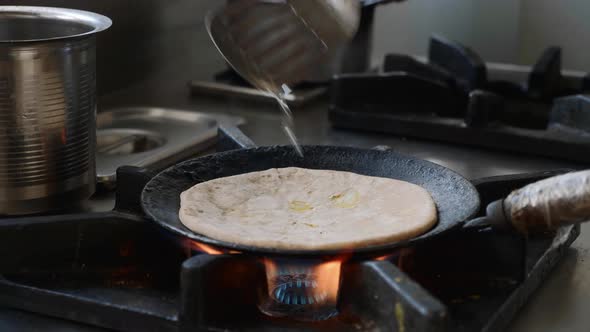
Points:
(47, 107)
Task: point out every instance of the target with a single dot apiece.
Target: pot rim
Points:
(95, 22)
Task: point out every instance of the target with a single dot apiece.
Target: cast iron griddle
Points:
(456, 198)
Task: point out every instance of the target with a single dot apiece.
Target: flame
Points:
(272, 271)
(325, 274)
(384, 258)
(328, 278)
(201, 247)
(205, 248)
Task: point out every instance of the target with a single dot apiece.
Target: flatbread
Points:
(306, 209)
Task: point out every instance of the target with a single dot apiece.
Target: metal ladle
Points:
(277, 43)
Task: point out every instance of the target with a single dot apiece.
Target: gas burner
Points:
(115, 270)
(302, 290)
(454, 96)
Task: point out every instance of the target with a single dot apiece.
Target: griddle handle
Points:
(495, 217)
(550, 203)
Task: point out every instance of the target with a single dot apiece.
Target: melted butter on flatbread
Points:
(347, 199)
(299, 206)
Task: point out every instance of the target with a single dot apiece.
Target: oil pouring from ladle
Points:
(287, 122)
(274, 44)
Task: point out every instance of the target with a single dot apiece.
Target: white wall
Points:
(513, 31)
(406, 27)
(564, 23)
(495, 29)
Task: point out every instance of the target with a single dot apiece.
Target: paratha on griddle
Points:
(306, 209)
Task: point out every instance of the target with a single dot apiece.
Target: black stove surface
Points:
(119, 271)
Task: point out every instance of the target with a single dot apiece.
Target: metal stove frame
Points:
(455, 97)
(119, 271)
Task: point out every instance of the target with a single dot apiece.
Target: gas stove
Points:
(116, 270)
(453, 96)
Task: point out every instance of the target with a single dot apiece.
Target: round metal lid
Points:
(24, 24)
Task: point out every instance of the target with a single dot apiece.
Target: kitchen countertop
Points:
(559, 305)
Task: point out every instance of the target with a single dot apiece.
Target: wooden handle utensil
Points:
(543, 205)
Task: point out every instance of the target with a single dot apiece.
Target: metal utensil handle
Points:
(550, 203)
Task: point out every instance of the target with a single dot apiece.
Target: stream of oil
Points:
(288, 124)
